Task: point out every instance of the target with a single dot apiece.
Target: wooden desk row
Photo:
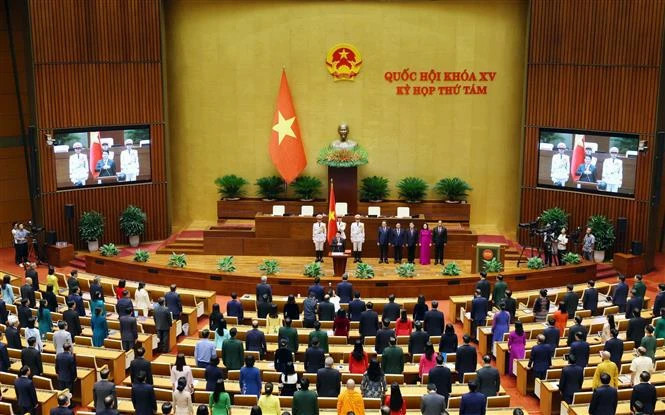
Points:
(249, 302)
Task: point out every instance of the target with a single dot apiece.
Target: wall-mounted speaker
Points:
(69, 211)
(621, 235)
(636, 247)
(51, 237)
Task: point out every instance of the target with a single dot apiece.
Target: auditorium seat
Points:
(341, 209)
(307, 210)
(403, 212)
(374, 211)
(278, 210)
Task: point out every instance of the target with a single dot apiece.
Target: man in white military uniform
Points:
(560, 171)
(613, 171)
(129, 161)
(319, 237)
(78, 166)
(357, 238)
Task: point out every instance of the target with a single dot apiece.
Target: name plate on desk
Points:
(337, 253)
(199, 309)
(178, 327)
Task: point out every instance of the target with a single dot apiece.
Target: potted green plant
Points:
(226, 264)
(603, 230)
(269, 266)
(109, 250)
(307, 188)
(406, 270)
(571, 258)
(535, 262)
(141, 256)
(270, 187)
(364, 271)
(231, 187)
(493, 265)
(91, 229)
(132, 224)
(556, 217)
(451, 268)
(374, 188)
(177, 260)
(452, 189)
(313, 269)
(412, 189)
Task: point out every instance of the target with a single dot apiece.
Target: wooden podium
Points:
(345, 180)
(339, 261)
(60, 256)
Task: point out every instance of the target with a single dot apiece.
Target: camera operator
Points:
(17, 255)
(549, 245)
(562, 245)
(21, 241)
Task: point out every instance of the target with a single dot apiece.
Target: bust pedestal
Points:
(345, 181)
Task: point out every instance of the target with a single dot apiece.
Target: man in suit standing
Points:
(484, 286)
(411, 242)
(314, 357)
(488, 378)
(474, 402)
(418, 339)
(104, 388)
(383, 241)
(441, 376)
(128, 330)
(63, 406)
(499, 291)
(4, 356)
(575, 328)
(61, 337)
(659, 301)
(76, 297)
(328, 380)
(31, 272)
(511, 305)
(73, 280)
(590, 298)
(326, 309)
(465, 358)
(392, 358)
(571, 299)
(432, 403)
(96, 287)
(65, 367)
(124, 304)
(26, 393)
(255, 340)
(263, 288)
(233, 352)
(28, 292)
(541, 358)
(634, 304)
(12, 334)
(615, 346)
(369, 322)
(391, 310)
(604, 399)
(163, 323)
(345, 289)
(552, 333)
(24, 313)
(434, 321)
(479, 308)
(108, 407)
(71, 317)
(572, 377)
(440, 238)
(640, 286)
(357, 238)
(138, 365)
(586, 171)
(644, 392)
(282, 356)
(316, 289)
(290, 334)
(337, 243)
(356, 307)
(173, 302)
(620, 293)
(383, 337)
(143, 397)
(580, 349)
(635, 330)
(234, 308)
(398, 238)
(31, 357)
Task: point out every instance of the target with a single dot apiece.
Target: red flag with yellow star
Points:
(286, 149)
(332, 215)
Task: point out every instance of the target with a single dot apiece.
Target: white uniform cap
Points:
(77, 144)
(319, 216)
(561, 145)
(614, 150)
(129, 141)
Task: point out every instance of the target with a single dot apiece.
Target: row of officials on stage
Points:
(396, 237)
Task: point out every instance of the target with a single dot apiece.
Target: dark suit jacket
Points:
(391, 311)
(580, 349)
(571, 300)
(65, 367)
(255, 341)
(345, 291)
(356, 307)
(603, 401)
(383, 339)
(71, 317)
(263, 289)
(586, 177)
(326, 311)
(163, 319)
(33, 359)
(574, 329)
(24, 314)
(485, 288)
(317, 290)
(541, 357)
(384, 235)
(173, 303)
(234, 309)
(658, 303)
(263, 309)
(337, 244)
(411, 237)
(128, 328)
(94, 288)
(105, 172)
(620, 294)
(13, 338)
(635, 331)
(143, 398)
(434, 322)
(78, 300)
(61, 410)
(328, 382)
(645, 393)
(212, 375)
(511, 306)
(101, 390)
(417, 341)
(3, 312)
(466, 359)
(28, 292)
(139, 364)
(473, 403)
(479, 306)
(488, 380)
(615, 347)
(570, 382)
(633, 304)
(590, 300)
(442, 378)
(25, 392)
(123, 305)
(51, 300)
(439, 237)
(4, 358)
(368, 323)
(32, 274)
(552, 335)
(398, 239)
(314, 359)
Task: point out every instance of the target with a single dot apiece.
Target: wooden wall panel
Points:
(593, 66)
(98, 63)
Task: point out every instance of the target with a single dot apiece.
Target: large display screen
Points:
(588, 161)
(101, 156)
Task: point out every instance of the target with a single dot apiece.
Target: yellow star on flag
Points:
(331, 216)
(283, 127)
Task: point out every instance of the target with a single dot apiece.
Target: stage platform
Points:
(201, 272)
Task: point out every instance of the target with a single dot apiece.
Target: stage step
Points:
(606, 270)
(169, 250)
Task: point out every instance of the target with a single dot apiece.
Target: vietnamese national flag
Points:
(286, 149)
(577, 157)
(95, 152)
(332, 215)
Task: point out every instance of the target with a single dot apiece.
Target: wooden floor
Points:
(293, 266)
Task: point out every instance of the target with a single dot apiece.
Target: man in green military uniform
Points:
(290, 334)
(640, 286)
(392, 359)
(305, 401)
(233, 352)
(317, 333)
(649, 342)
(499, 292)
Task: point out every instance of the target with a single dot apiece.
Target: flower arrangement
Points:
(336, 157)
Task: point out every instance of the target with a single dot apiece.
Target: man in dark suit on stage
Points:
(263, 288)
(604, 399)
(337, 243)
(620, 293)
(411, 242)
(345, 289)
(586, 171)
(398, 239)
(571, 379)
(439, 238)
(383, 241)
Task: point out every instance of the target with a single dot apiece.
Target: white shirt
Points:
(562, 241)
(613, 171)
(142, 299)
(638, 365)
(560, 170)
(78, 168)
(129, 161)
(357, 232)
(341, 227)
(319, 232)
(182, 403)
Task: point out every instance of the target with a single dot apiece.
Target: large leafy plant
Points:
(452, 188)
(374, 188)
(226, 264)
(406, 270)
(269, 266)
(307, 187)
(451, 268)
(177, 260)
(313, 269)
(132, 221)
(109, 250)
(364, 271)
(603, 230)
(412, 189)
(535, 262)
(231, 186)
(493, 265)
(556, 217)
(270, 187)
(91, 226)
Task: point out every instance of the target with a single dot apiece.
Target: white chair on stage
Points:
(106, 140)
(592, 146)
(374, 211)
(144, 143)
(341, 209)
(403, 212)
(278, 210)
(631, 153)
(64, 148)
(546, 146)
(307, 210)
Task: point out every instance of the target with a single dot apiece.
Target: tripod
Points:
(532, 235)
